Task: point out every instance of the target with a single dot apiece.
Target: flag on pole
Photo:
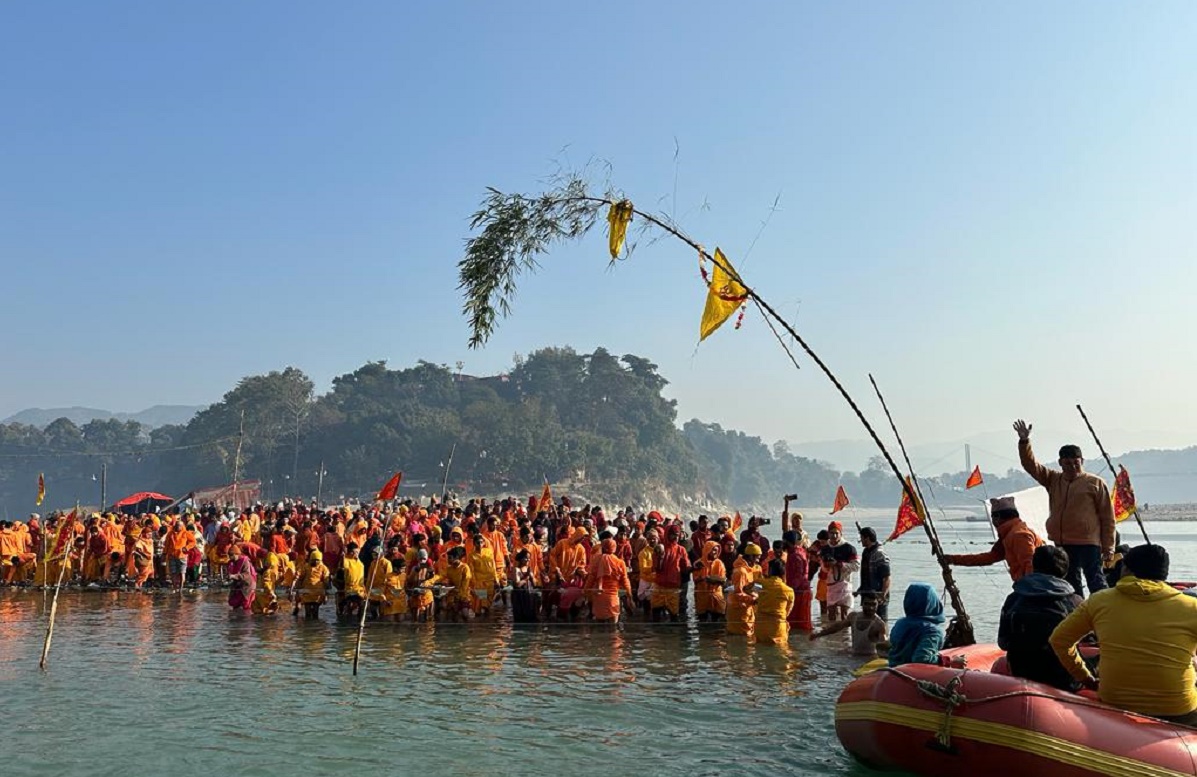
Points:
(737, 522)
(618, 218)
(546, 498)
(63, 534)
(910, 513)
(724, 295)
(1124, 495)
(841, 500)
(391, 489)
(975, 479)
(41, 487)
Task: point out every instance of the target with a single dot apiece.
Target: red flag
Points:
(910, 513)
(391, 489)
(41, 487)
(737, 522)
(841, 500)
(975, 479)
(546, 498)
(62, 537)
(1124, 495)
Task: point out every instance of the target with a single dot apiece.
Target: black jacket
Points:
(1029, 616)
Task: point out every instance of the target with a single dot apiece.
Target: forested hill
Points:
(596, 425)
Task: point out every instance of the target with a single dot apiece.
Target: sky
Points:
(987, 207)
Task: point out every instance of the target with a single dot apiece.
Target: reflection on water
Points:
(181, 685)
(192, 687)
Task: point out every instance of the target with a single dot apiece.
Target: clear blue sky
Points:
(990, 207)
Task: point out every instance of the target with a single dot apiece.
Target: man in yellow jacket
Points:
(1148, 632)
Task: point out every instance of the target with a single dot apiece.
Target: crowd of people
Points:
(453, 561)
(448, 561)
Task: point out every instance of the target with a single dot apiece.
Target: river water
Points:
(163, 684)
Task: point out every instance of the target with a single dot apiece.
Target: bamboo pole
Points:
(57, 588)
(964, 624)
(361, 626)
(1113, 471)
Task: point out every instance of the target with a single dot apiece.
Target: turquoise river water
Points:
(163, 684)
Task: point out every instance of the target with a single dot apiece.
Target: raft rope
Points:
(951, 700)
(945, 693)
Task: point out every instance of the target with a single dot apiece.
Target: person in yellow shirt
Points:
(353, 584)
(484, 572)
(265, 599)
(395, 602)
(646, 565)
(741, 604)
(310, 586)
(458, 575)
(420, 579)
(773, 606)
(1148, 633)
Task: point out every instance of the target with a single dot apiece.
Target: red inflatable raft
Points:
(944, 722)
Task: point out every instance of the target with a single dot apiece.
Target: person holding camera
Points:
(840, 562)
(793, 521)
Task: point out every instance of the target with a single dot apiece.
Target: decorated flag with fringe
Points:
(911, 513)
(1124, 495)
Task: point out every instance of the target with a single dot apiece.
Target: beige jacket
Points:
(1081, 510)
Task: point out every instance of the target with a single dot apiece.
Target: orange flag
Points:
(62, 537)
(975, 479)
(841, 500)
(1124, 495)
(546, 498)
(41, 487)
(910, 513)
(737, 522)
(391, 489)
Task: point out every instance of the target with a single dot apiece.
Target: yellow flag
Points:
(618, 217)
(724, 295)
(41, 488)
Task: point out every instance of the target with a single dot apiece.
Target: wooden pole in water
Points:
(361, 625)
(964, 626)
(1113, 471)
(54, 603)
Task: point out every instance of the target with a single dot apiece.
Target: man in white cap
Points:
(1016, 542)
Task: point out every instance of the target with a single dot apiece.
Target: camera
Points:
(764, 521)
(791, 497)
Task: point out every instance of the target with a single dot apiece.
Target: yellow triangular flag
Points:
(724, 295)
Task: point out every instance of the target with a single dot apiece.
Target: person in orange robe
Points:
(143, 556)
(178, 544)
(741, 605)
(608, 579)
(498, 545)
(709, 578)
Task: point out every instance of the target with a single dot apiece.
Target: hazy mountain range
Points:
(994, 451)
(153, 417)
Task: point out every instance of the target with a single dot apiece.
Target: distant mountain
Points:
(158, 415)
(995, 451)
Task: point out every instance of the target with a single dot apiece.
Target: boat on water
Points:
(980, 722)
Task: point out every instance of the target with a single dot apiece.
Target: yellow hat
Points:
(315, 555)
(752, 549)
